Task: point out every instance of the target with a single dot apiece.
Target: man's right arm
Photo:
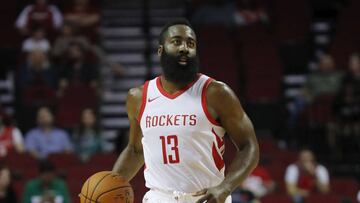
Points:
(291, 179)
(131, 158)
(322, 179)
(30, 145)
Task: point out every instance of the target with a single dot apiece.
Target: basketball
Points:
(106, 187)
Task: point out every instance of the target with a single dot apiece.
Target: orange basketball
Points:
(106, 187)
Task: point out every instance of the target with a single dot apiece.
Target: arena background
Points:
(264, 50)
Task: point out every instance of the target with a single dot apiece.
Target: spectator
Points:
(69, 36)
(305, 177)
(7, 193)
(10, 138)
(65, 39)
(217, 12)
(325, 81)
(250, 12)
(38, 71)
(258, 184)
(352, 77)
(346, 126)
(47, 139)
(47, 187)
(87, 138)
(39, 15)
(77, 70)
(37, 41)
(85, 18)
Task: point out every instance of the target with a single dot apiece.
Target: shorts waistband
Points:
(173, 193)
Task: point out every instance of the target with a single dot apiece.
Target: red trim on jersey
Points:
(204, 104)
(219, 162)
(177, 93)
(220, 142)
(143, 101)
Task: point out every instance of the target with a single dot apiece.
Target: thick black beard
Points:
(177, 73)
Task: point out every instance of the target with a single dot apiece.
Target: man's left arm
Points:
(322, 179)
(68, 146)
(224, 105)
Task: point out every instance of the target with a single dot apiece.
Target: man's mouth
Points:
(183, 60)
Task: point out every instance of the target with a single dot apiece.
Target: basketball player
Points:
(177, 126)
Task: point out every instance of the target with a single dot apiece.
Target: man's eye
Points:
(191, 44)
(177, 42)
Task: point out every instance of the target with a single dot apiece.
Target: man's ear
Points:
(160, 50)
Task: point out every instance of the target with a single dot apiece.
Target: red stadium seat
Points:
(74, 100)
(263, 72)
(38, 96)
(82, 172)
(218, 56)
(277, 172)
(19, 187)
(346, 40)
(276, 198)
(344, 186)
(23, 166)
(267, 145)
(105, 160)
(254, 34)
(341, 49)
(21, 161)
(138, 185)
(64, 160)
(283, 157)
(74, 187)
(291, 19)
(329, 198)
(320, 110)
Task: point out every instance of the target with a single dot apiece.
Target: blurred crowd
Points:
(58, 66)
(302, 178)
(336, 91)
(58, 86)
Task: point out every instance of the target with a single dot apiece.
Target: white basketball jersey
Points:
(183, 145)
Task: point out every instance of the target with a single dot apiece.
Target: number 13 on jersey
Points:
(172, 141)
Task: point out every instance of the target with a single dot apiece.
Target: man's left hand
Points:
(213, 195)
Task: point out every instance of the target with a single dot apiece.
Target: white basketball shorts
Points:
(159, 196)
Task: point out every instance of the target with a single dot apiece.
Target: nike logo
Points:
(150, 100)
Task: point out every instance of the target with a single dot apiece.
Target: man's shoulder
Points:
(292, 166)
(32, 183)
(321, 167)
(217, 85)
(60, 131)
(136, 93)
(29, 7)
(33, 132)
(218, 89)
(59, 183)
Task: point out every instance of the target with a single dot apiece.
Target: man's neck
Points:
(172, 87)
(46, 129)
(2, 192)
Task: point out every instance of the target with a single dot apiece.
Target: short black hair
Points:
(179, 21)
(45, 166)
(2, 165)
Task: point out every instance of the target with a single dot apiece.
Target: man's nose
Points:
(183, 49)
